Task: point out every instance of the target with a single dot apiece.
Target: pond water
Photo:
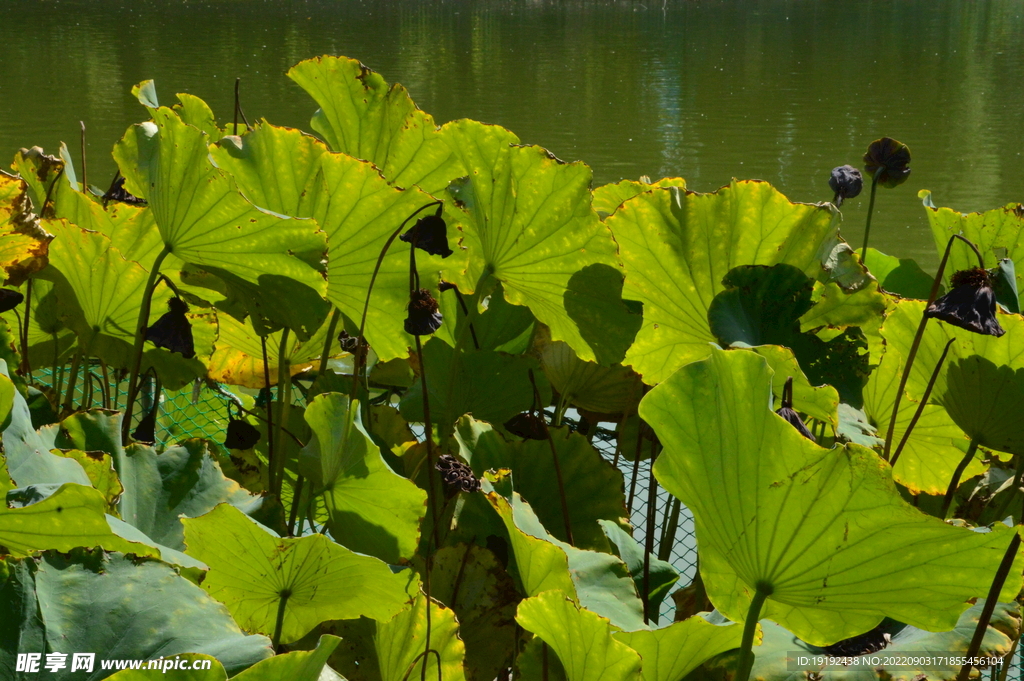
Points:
(781, 90)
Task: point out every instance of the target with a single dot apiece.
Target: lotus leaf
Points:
(810, 527)
(673, 652)
(608, 198)
(502, 326)
(588, 385)
(298, 665)
(400, 640)
(251, 571)
(361, 116)
(372, 509)
(662, 574)
(678, 245)
(582, 640)
(23, 237)
(901, 276)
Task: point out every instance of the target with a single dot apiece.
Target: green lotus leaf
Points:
(117, 607)
(774, 657)
(361, 116)
(202, 218)
(833, 516)
(502, 326)
(99, 466)
(400, 640)
(607, 198)
(23, 237)
(678, 245)
(7, 391)
(845, 294)
(197, 113)
(901, 276)
(582, 640)
(671, 653)
(528, 223)
(215, 672)
(251, 571)
(593, 487)
(472, 582)
(588, 385)
(662, 574)
(298, 665)
(37, 170)
(981, 381)
(463, 382)
(601, 582)
(821, 402)
(27, 451)
(238, 357)
(72, 516)
(935, 446)
(538, 662)
(50, 341)
(992, 231)
(372, 509)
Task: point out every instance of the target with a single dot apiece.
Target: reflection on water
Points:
(776, 89)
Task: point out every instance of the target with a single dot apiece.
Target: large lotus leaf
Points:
(238, 357)
(27, 451)
(38, 170)
(470, 580)
(661, 574)
(372, 509)
(183, 480)
(361, 116)
(72, 516)
(601, 582)
(815, 528)
(774, 658)
(588, 385)
(197, 113)
(671, 653)
(821, 401)
(677, 246)
(202, 218)
(981, 381)
(935, 446)
(99, 466)
(991, 231)
(901, 276)
(528, 223)
(845, 294)
(298, 665)
(593, 487)
(400, 640)
(117, 607)
(251, 570)
(23, 237)
(7, 391)
(607, 198)
(50, 341)
(582, 640)
(463, 383)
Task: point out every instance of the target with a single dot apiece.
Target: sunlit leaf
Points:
(607, 198)
(673, 652)
(23, 237)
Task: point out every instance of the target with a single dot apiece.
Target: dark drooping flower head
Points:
(787, 412)
(241, 435)
(146, 430)
(10, 299)
(891, 158)
(457, 476)
(970, 305)
(424, 317)
(173, 331)
(527, 426)
(429, 234)
(117, 192)
(846, 183)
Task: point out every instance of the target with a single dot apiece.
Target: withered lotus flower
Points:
(787, 412)
(970, 305)
(424, 317)
(527, 426)
(241, 434)
(146, 430)
(430, 234)
(173, 331)
(846, 183)
(10, 299)
(117, 192)
(891, 157)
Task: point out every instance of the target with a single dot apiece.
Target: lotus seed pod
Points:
(888, 158)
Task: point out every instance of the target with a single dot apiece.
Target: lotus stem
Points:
(294, 512)
(140, 341)
(85, 168)
(561, 485)
(1004, 667)
(990, 604)
(669, 537)
(271, 462)
(917, 341)
(279, 624)
(423, 670)
(955, 481)
(106, 386)
(69, 396)
(1017, 476)
(238, 110)
(871, 210)
(746, 662)
(636, 465)
(284, 405)
(922, 405)
(465, 311)
(332, 328)
(25, 366)
(652, 510)
(544, 661)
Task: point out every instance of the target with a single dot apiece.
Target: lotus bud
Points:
(10, 299)
(173, 331)
(970, 305)
(241, 435)
(527, 426)
(846, 183)
(891, 158)
(424, 317)
(146, 430)
(787, 412)
(457, 476)
(430, 234)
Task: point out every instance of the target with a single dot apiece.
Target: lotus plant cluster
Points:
(416, 335)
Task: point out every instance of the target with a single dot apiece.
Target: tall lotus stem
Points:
(271, 463)
(279, 624)
(140, 341)
(69, 396)
(284, 404)
(957, 474)
(871, 209)
(668, 535)
(923, 404)
(26, 368)
(332, 328)
(652, 503)
(990, 604)
(917, 339)
(746, 661)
